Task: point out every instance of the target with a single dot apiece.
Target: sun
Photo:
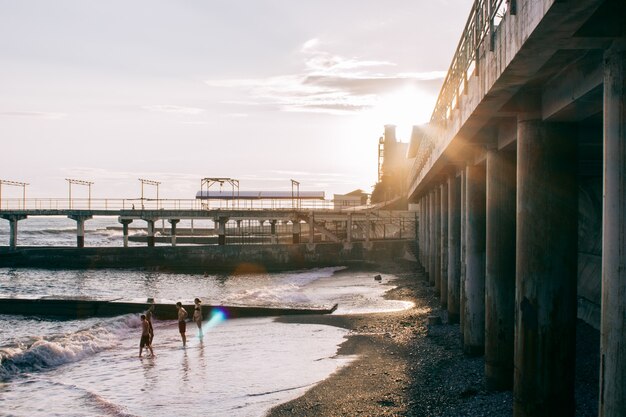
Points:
(404, 108)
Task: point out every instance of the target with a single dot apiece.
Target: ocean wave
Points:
(287, 294)
(52, 351)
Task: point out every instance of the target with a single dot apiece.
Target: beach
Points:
(406, 367)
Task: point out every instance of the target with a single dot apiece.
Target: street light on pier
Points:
(71, 181)
(297, 185)
(17, 184)
(149, 182)
(210, 181)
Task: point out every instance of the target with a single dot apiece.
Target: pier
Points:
(317, 222)
(520, 178)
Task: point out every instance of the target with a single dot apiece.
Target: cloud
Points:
(168, 108)
(34, 114)
(331, 83)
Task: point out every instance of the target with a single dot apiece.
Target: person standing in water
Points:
(145, 336)
(182, 325)
(197, 315)
(149, 320)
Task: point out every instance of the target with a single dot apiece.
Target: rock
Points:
(378, 277)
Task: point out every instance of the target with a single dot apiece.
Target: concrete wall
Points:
(233, 258)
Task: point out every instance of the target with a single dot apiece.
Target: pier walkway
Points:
(319, 220)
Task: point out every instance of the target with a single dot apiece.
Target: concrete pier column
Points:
(463, 205)
(422, 222)
(173, 222)
(454, 249)
(436, 239)
(474, 319)
(432, 253)
(500, 271)
(349, 228)
(443, 243)
(311, 227)
(221, 230)
(367, 230)
(13, 232)
(125, 223)
(238, 229)
(150, 237)
(426, 237)
(295, 231)
(80, 229)
(546, 269)
(13, 219)
(273, 236)
(613, 323)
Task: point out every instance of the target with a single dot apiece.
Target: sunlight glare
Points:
(403, 108)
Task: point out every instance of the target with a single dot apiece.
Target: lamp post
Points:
(149, 182)
(297, 200)
(18, 184)
(71, 181)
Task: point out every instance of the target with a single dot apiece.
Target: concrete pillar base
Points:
(80, 228)
(173, 222)
(546, 269)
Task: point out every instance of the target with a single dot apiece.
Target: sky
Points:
(262, 91)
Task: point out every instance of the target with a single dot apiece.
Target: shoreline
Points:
(405, 367)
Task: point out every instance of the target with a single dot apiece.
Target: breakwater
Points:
(82, 307)
(229, 258)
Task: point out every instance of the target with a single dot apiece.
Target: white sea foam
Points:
(51, 351)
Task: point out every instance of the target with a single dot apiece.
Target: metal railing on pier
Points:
(482, 23)
(163, 204)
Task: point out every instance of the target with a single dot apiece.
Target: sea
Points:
(240, 367)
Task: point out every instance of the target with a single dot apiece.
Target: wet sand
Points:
(406, 367)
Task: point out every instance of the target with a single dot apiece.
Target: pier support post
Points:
(613, 324)
(443, 244)
(546, 269)
(125, 223)
(80, 229)
(432, 253)
(500, 271)
(221, 230)
(349, 228)
(295, 231)
(273, 238)
(454, 249)
(150, 236)
(13, 219)
(311, 228)
(463, 205)
(173, 222)
(474, 327)
(422, 243)
(436, 236)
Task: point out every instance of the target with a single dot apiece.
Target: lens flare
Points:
(218, 315)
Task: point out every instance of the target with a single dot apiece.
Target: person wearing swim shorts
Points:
(182, 325)
(145, 336)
